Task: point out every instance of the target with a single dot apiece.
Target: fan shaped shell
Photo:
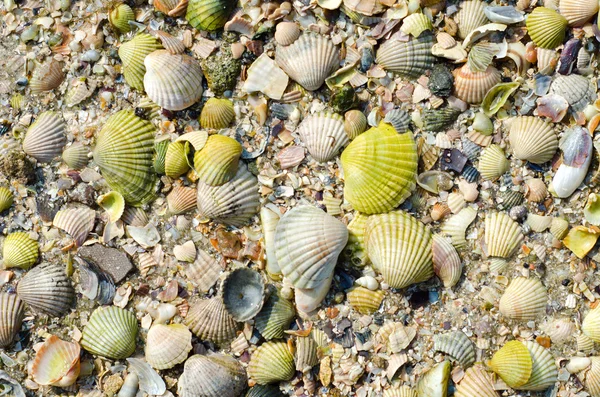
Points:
(19, 250)
(181, 199)
(6, 198)
(167, 345)
(512, 363)
(176, 159)
(110, 332)
(409, 59)
(12, 312)
(591, 324)
(209, 320)
(218, 161)
(365, 301)
(217, 113)
(546, 27)
(457, 345)
(264, 75)
(493, 163)
(132, 54)
(56, 363)
(46, 288)
(214, 375)
(532, 139)
(456, 226)
(355, 123)
(477, 382)
(76, 156)
(78, 222)
(578, 12)
(271, 362)
(470, 16)
(472, 86)
(502, 235)
(576, 89)
(324, 135)
(204, 272)
(275, 317)
(209, 15)
(524, 299)
(446, 262)
(46, 76)
(45, 138)
(286, 33)
(402, 391)
(543, 373)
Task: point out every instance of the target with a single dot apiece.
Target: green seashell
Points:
(409, 59)
(591, 211)
(6, 198)
(19, 251)
(265, 391)
(209, 15)
(124, 150)
(356, 249)
(217, 162)
(217, 113)
(111, 332)
(275, 317)
(176, 159)
(380, 169)
(482, 55)
(438, 119)
(132, 54)
(415, 24)
(546, 27)
(76, 156)
(161, 146)
(114, 205)
(271, 362)
(497, 96)
(120, 16)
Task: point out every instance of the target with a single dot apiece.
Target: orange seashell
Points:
(472, 86)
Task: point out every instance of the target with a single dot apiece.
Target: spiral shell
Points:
(532, 139)
(209, 15)
(209, 320)
(524, 299)
(470, 17)
(76, 156)
(275, 317)
(56, 363)
(132, 54)
(110, 332)
(271, 362)
(477, 382)
(409, 59)
(472, 86)
(324, 135)
(78, 222)
(46, 288)
(217, 162)
(167, 345)
(493, 163)
(45, 138)
(217, 113)
(46, 76)
(546, 27)
(458, 346)
(12, 312)
(512, 363)
(19, 251)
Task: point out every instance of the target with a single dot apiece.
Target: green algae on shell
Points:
(111, 332)
(221, 70)
(546, 27)
(271, 362)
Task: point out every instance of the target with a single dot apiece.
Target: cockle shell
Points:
(173, 82)
(204, 272)
(456, 202)
(110, 332)
(185, 252)
(46, 288)
(434, 383)
(78, 222)
(134, 216)
(532, 139)
(275, 317)
(271, 362)
(56, 363)
(546, 27)
(415, 24)
(439, 211)
(477, 382)
(402, 391)
(592, 376)
(209, 320)
(409, 59)
(512, 363)
(76, 156)
(458, 346)
(355, 123)
(591, 324)
(167, 345)
(132, 54)
(324, 135)
(493, 163)
(214, 375)
(19, 250)
(46, 76)
(264, 75)
(524, 299)
(45, 138)
(119, 17)
(181, 200)
(12, 311)
(309, 60)
(544, 372)
(502, 235)
(169, 42)
(176, 159)
(209, 15)
(243, 293)
(6, 198)
(472, 86)
(399, 119)
(560, 330)
(456, 226)
(470, 16)
(364, 300)
(447, 265)
(577, 13)
(173, 8)
(535, 190)
(217, 113)
(161, 146)
(217, 162)
(286, 33)
(576, 89)
(306, 354)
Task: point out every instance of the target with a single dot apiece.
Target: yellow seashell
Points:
(470, 17)
(364, 300)
(578, 12)
(581, 240)
(544, 372)
(512, 363)
(76, 156)
(502, 235)
(132, 54)
(275, 317)
(456, 202)
(477, 382)
(559, 228)
(286, 33)
(114, 205)
(56, 363)
(524, 299)
(45, 138)
(591, 211)
(209, 320)
(6, 198)
(217, 162)
(356, 248)
(12, 311)
(78, 222)
(447, 265)
(402, 391)
(456, 226)
(271, 362)
(472, 86)
(493, 163)
(167, 345)
(324, 135)
(119, 17)
(19, 251)
(176, 159)
(415, 24)
(217, 114)
(585, 344)
(592, 378)
(532, 139)
(434, 383)
(546, 27)
(110, 332)
(591, 324)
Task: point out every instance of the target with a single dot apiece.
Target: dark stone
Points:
(441, 81)
(109, 260)
(453, 160)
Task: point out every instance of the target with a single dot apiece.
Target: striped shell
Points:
(355, 123)
(275, 317)
(185, 252)
(204, 271)
(306, 354)
(447, 265)
(535, 190)
(209, 320)
(472, 86)
(119, 18)
(524, 299)
(78, 222)
(477, 382)
(356, 248)
(76, 156)
(415, 24)
(470, 17)
(173, 8)
(324, 135)
(243, 292)
(19, 250)
(578, 12)
(458, 346)
(560, 330)
(402, 391)
(532, 139)
(135, 217)
(167, 345)
(512, 363)
(46, 76)
(132, 54)
(591, 324)
(209, 15)
(181, 200)
(56, 363)
(456, 227)
(45, 138)
(546, 27)
(271, 362)
(399, 119)
(592, 380)
(576, 89)
(6, 198)
(217, 113)
(213, 375)
(409, 59)
(161, 146)
(544, 372)
(365, 301)
(502, 235)
(539, 223)
(493, 163)
(218, 161)
(47, 289)
(111, 332)
(176, 159)
(286, 33)
(12, 312)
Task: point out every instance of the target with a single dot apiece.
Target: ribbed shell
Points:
(161, 146)
(124, 151)
(173, 82)
(402, 391)
(110, 332)
(209, 15)
(232, 203)
(204, 272)
(271, 362)
(173, 8)
(45, 138)
(458, 346)
(409, 59)
(209, 320)
(493, 163)
(532, 139)
(185, 252)
(181, 199)
(46, 76)
(576, 89)
(546, 27)
(364, 300)
(399, 119)
(19, 250)
(306, 353)
(512, 363)
(6, 198)
(214, 375)
(457, 225)
(415, 24)
(265, 391)
(309, 60)
(447, 265)
(169, 42)
(539, 223)
(46, 288)
(524, 299)
(591, 324)
(578, 12)
(269, 218)
(355, 123)
(135, 217)
(12, 312)
(399, 246)
(217, 113)
(56, 363)
(176, 159)
(356, 248)
(78, 222)
(120, 16)
(76, 156)
(592, 381)
(286, 33)
(470, 17)
(275, 317)
(559, 228)
(324, 135)
(477, 382)
(243, 292)
(132, 54)
(472, 86)
(380, 169)
(218, 161)
(544, 373)
(167, 345)
(502, 235)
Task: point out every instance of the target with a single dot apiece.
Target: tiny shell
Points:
(493, 163)
(415, 24)
(185, 252)
(576, 89)
(56, 363)
(402, 391)
(560, 331)
(119, 17)
(19, 251)
(591, 211)
(446, 262)
(167, 345)
(271, 362)
(46, 288)
(12, 312)
(78, 222)
(539, 223)
(497, 96)
(6, 198)
(243, 293)
(364, 300)
(512, 363)
(214, 375)
(456, 202)
(45, 138)
(324, 135)
(46, 76)
(181, 200)
(204, 272)
(532, 139)
(110, 332)
(209, 320)
(524, 299)
(591, 324)
(217, 113)
(76, 156)
(472, 86)
(559, 228)
(458, 346)
(286, 33)
(502, 235)
(580, 240)
(176, 159)
(536, 190)
(399, 119)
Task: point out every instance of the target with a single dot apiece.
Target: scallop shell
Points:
(559, 228)
(185, 252)
(176, 159)
(399, 246)
(204, 272)
(470, 17)
(12, 312)
(524, 299)
(167, 345)
(217, 162)
(399, 119)
(402, 391)
(209, 320)
(512, 363)
(458, 346)
(133, 216)
(546, 27)
(584, 343)
(380, 167)
(169, 42)
(439, 211)
(415, 24)
(434, 382)
(306, 354)
(119, 17)
(173, 8)
(269, 217)
(209, 15)
(275, 317)
(19, 251)
(181, 199)
(271, 362)
(110, 332)
(457, 225)
(78, 222)
(132, 54)
(592, 381)
(409, 59)
(536, 190)
(233, 203)
(477, 382)
(124, 151)
(544, 373)
(356, 248)
(472, 86)
(502, 235)
(532, 139)
(309, 60)
(577, 13)
(456, 202)
(214, 375)
(46, 288)
(365, 301)
(56, 363)
(286, 33)
(76, 156)
(576, 89)
(560, 330)
(161, 146)
(243, 293)
(591, 324)
(493, 163)
(113, 203)
(6, 198)
(539, 223)
(510, 199)
(355, 123)
(46, 76)
(217, 113)
(324, 135)
(265, 391)
(265, 76)
(45, 138)
(446, 262)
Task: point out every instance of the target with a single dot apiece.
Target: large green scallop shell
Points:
(209, 15)
(272, 362)
(546, 27)
(132, 54)
(19, 250)
(110, 332)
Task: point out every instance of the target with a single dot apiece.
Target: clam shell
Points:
(547, 59)
(458, 346)
(264, 75)
(415, 24)
(546, 27)
(132, 54)
(264, 391)
(361, 7)
(46, 76)
(215, 375)
(560, 330)
(591, 324)
(217, 113)
(119, 17)
(524, 299)
(133, 216)
(232, 203)
(477, 382)
(45, 138)
(402, 391)
(268, 219)
(355, 123)
(110, 332)
(535, 190)
(275, 317)
(209, 15)
(434, 382)
(577, 13)
(456, 202)
(243, 293)
(365, 301)
(181, 200)
(512, 363)
(124, 151)
(19, 251)
(559, 228)
(173, 82)
(502, 235)
(56, 363)
(446, 262)
(204, 272)
(399, 119)
(76, 156)
(544, 373)
(439, 211)
(380, 168)
(532, 139)
(6, 198)
(80, 90)
(539, 223)
(470, 17)
(324, 135)
(456, 226)
(46, 288)
(209, 320)
(271, 362)
(176, 159)
(309, 60)
(113, 203)
(185, 252)
(78, 222)
(217, 162)
(286, 33)
(409, 59)
(493, 163)
(472, 86)
(12, 312)
(399, 246)
(167, 345)
(576, 89)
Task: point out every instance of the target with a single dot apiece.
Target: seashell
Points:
(172, 81)
(119, 17)
(124, 151)
(576, 89)
(324, 135)
(133, 216)
(543, 373)
(233, 203)
(355, 123)
(434, 383)
(493, 163)
(78, 222)
(185, 252)
(379, 169)
(439, 119)
(559, 228)
(80, 90)
(547, 60)
(161, 146)
(181, 200)
(456, 202)
(458, 346)
(148, 380)
(113, 203)
(439, 211)
(356, 246)
(217, 162)
(532, 139)
(399, 119)
(306, 354)
(368, 282)
(204, 272)
(309, 60)
(45, 138)
(409, 59)
(591, 211)
(167, 345)
(19, 251)
(94, 283)
(169, 42)
(268, 220)
(584, 343)
(132, 54)
(12, 312)
(477, 382)
(364, 300)
(217, 113)
(110, 332)
(592, 376)
(502, 235)
(275, 317)
(510, 199)
(264, 391)
(577, 13)
(209, 15)
(176, 159)
(46, 76)
(576, 145)
(56, 363)
(470, 17)
(471, 86)
(580, 240)
(76, 156)
(446, 262)
(546, 27)
(415, 24)
(539, 223)
(214, 375)
(361, 7)
(402, 391)
(512, 363)
(435, 181)
(130, 385)
(243, 293)
(399, 246)
(456, 226)
(209, 320)
(286, 33)
(524, 299)
(503, 14)
(46, 288)
(535, 190)
(6, 198)
(497, 96)
(560, 331)
(271, 362)
(173, 8)
(481, 56)
(591, 324)
(257, 81)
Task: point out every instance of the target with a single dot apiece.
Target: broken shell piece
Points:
(113, 203)
(591, 211)
(581, 240)
(434, 383)
(456, 226)
(446, 262)
(458, 346)
(477, 382)
(56, 363)
(12, 311)
(214, 375)
(78, 222)
(264, 75)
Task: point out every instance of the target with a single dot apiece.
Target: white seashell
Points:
(324, 135)
(502, 235)
(368, 282)
(149, 381)
(265, 76)
(456, 226)
(78, 222)
(524, 299)
(45, 138)
(185, 252)
(577, 149)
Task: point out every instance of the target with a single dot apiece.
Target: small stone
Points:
(441, 81)
(110, 260)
